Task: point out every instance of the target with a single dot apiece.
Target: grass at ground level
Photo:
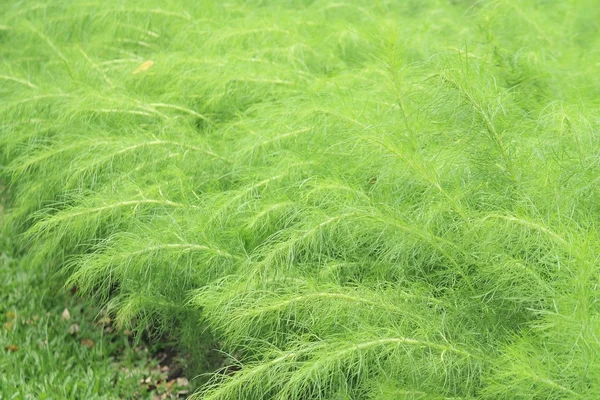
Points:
(56, 346)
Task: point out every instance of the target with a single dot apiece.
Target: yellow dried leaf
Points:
(145, 66)
(182, 382)
(12, 348)
(73, 329)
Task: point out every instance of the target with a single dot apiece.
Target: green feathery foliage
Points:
(360, 200)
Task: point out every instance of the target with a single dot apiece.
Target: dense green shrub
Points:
(392, 199)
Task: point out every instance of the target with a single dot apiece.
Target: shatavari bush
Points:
(357, 199)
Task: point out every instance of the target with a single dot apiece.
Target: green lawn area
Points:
(300, 199)
(50, 353)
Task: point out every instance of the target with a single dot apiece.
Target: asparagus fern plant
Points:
(359, 200)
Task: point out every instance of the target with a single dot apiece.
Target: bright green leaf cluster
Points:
(360, 199)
